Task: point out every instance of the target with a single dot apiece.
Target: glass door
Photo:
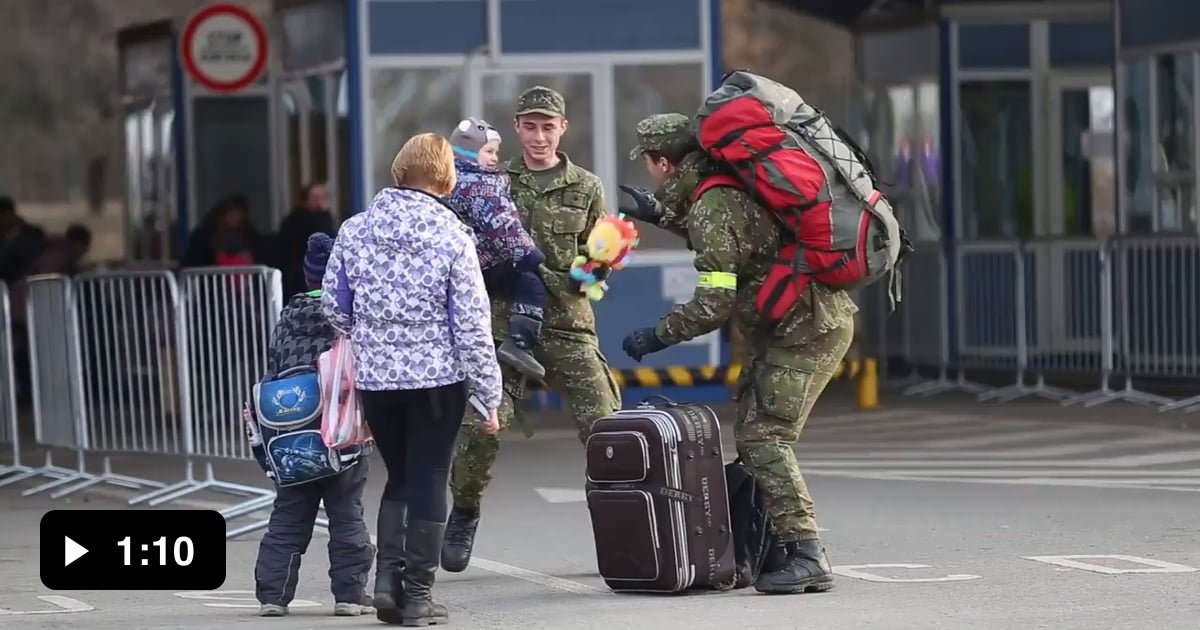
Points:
(1174, 84)
(316, 140)
(492, 95)
(150, 190)
(1082, 186)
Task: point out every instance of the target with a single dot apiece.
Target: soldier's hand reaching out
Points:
(646, 207)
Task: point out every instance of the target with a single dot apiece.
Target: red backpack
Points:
(796, 164)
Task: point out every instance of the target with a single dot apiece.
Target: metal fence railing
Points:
(57, 417)
(227, 317)
(1118, 311)
(10, 433)
(144, 363)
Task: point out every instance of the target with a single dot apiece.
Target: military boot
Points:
(389, 561)
(804, 570)
(420, 569)
(517, 350)
(460, 539)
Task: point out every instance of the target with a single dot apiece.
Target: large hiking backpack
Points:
(789, 157)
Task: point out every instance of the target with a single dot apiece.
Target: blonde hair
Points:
(426, 162)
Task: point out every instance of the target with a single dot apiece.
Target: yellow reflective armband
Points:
(718, 280)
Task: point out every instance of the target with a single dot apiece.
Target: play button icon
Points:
(73, 551)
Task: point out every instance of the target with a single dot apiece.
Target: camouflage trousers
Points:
(781, 387)
(576, 368)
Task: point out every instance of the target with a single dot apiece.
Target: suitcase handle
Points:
(646, 401)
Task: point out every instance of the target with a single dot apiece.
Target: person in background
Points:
(227, 238)
(311, 216)
(482, 199)
(301, 335)
(64, 254)
(20, 242)
(404, 283)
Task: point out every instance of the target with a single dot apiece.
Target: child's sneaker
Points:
(351, 609)
(517, 350)
(272, 610)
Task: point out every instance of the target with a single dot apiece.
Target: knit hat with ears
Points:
(470, 135)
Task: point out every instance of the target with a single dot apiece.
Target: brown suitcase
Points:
(657, 497)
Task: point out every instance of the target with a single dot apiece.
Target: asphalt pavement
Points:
(939, 513)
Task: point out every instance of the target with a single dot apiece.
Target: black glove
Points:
(641, 342)
(646, 207)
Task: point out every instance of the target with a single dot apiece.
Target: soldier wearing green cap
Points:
(559, 203)
(787, 367)
(669, 149)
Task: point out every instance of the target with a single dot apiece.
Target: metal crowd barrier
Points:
(56, 386)
(229, 314)
(1123, 309)
(9, 430)
(925, 323)
(1159, 315)
(145, 363)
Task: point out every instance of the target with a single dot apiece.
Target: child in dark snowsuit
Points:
(300, 337)
(481, 198)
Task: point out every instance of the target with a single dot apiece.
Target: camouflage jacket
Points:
(735, 242)
(559, 219)
(675, 194)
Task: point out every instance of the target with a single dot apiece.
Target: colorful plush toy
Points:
(608, 244)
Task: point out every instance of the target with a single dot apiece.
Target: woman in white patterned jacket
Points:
(403, 282)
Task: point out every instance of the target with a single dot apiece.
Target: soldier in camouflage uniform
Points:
(788, 365)
(559, 203)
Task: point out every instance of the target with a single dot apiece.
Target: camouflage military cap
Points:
(659, 131)
(540, 99)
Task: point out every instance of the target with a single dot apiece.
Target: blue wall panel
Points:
(983, 46)
(635, 300)
(428, 27)
(1081, 44)
(531, 26)
(1158, 22)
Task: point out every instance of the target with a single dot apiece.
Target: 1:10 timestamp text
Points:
(182, 551)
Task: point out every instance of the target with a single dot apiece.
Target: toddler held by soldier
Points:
(507, 255)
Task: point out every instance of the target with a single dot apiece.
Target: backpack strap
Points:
(715, 181)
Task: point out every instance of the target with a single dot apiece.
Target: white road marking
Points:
(983, 463)
(241, 599)
(855, 571)
(1100, 474)
(562, 495)
(923, 450)
(1072, 483)
(1075, 562)
(1022, 436)
(63, 604)
(533, 577)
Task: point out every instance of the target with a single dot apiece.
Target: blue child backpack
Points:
(287, 408)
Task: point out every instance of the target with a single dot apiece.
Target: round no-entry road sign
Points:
(224, 47)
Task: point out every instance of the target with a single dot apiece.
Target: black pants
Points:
(414, 431)
(351, 553)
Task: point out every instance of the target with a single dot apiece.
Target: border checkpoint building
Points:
(1043, 154)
